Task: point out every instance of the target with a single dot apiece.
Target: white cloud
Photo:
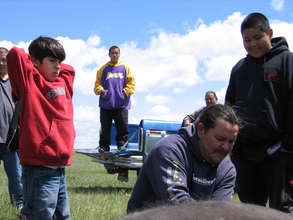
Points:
(86, 113)
(158, 68)
(94, 41)
(199, 104)
(9, 45)
(172, 63)
(281, 29)
(172, 60)
(87, 134)
(86, 58)
(133, 100)
(160, 110)
(221, 95)
(277, 4)
(157, 99)
(86, 121)
(178, 90)
(219, 68)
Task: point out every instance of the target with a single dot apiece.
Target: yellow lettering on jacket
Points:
(114, 75)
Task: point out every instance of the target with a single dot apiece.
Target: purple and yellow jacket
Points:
(117, 82)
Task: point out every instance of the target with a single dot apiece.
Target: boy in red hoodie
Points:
(45, 87)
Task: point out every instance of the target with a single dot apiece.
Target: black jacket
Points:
(260, 90)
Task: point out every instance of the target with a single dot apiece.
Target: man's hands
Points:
(104, 94)
(186, 122)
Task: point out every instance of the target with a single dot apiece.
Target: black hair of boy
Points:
(256, 20)
(46, 47)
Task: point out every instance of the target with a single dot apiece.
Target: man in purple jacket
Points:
(190, 165)
(115, 85)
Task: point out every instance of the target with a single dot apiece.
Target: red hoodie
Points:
(46, 122)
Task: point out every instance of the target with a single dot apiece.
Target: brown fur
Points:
(210, 210)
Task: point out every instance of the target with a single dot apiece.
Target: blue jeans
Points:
(13, 172)
(45, 194)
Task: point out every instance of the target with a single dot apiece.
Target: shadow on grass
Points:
(99, 189)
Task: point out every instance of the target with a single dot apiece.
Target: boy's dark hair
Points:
(3, 50)
(114, 47)
(209, 115)
(212, 92)
(46, 47)
(256, 20)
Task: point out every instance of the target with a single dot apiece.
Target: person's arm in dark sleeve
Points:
(191, 118)
(230, 93)
(225, 181)
(187, 120)
(287, 139)
(167, 175)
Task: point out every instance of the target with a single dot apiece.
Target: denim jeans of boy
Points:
(45, 193)
(13, 172)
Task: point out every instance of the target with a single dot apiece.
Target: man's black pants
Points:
(120, 117)
(259, 182)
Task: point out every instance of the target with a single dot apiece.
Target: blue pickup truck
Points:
(142, 138)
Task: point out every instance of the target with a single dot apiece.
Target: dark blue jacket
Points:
(175, 172)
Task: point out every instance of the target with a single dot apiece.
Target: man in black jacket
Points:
(260, 89)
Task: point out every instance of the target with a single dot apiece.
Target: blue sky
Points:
(176, 49)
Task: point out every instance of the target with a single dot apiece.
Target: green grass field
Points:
(93, 194)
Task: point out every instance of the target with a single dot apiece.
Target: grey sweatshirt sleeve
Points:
(192, 117)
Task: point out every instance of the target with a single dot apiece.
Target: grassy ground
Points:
(93, 194)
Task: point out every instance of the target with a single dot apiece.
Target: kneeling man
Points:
(190, 165)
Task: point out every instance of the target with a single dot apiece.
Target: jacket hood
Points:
(189, 134)
(279, 45)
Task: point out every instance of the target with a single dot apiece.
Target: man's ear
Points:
(271, 33)
(200, 129)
